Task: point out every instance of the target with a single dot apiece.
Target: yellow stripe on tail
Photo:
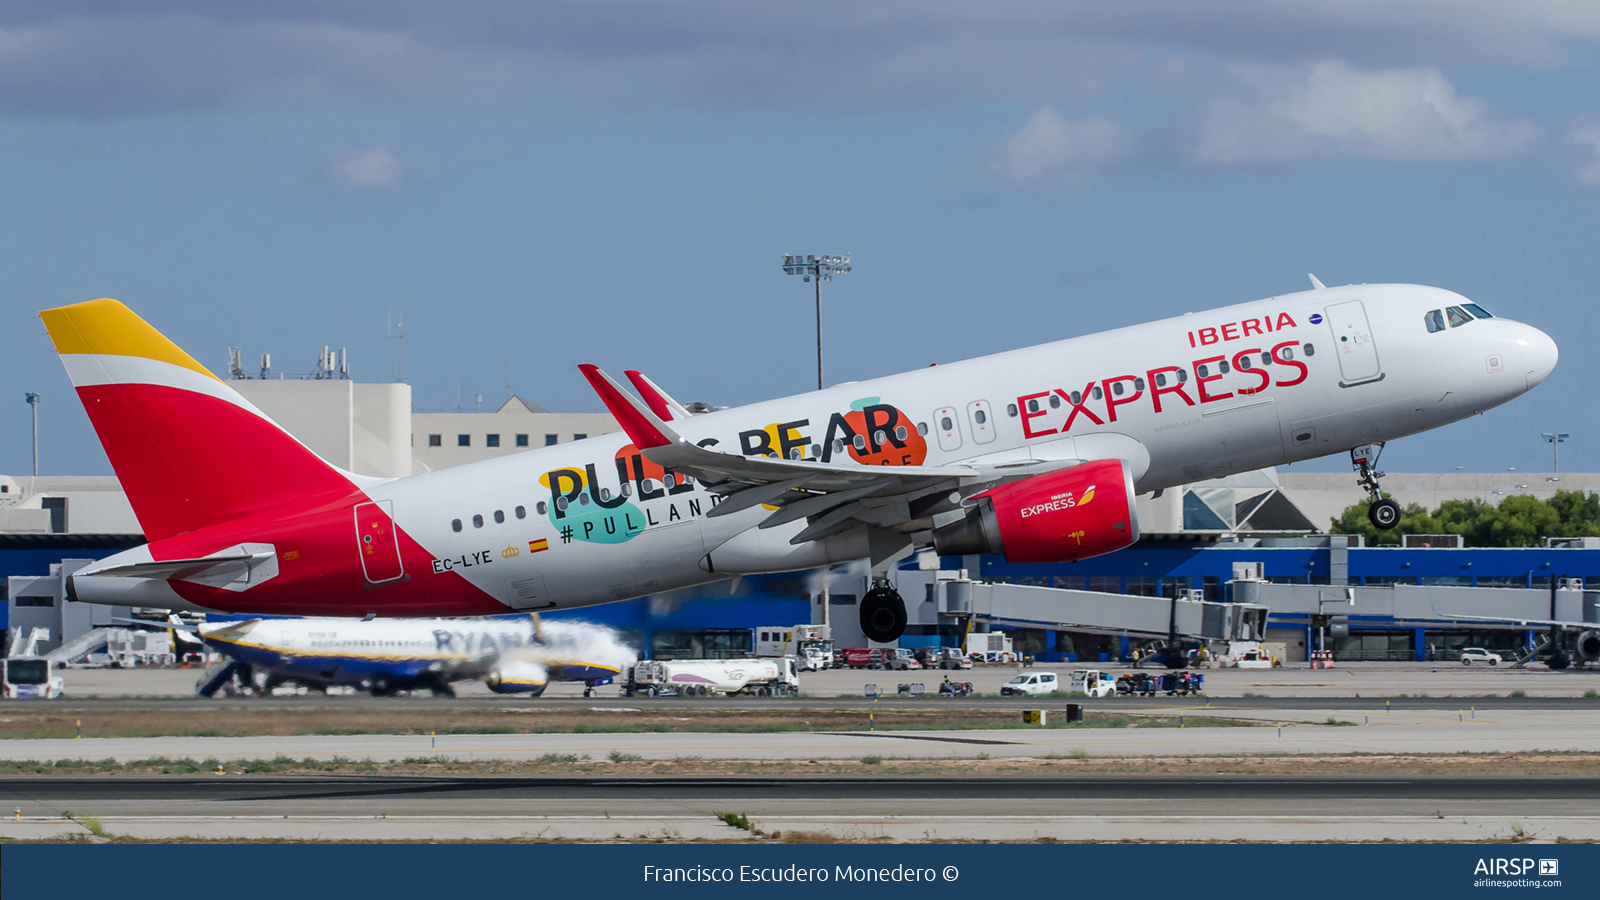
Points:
(107, 328)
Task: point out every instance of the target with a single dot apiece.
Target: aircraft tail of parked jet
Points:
(187, 448)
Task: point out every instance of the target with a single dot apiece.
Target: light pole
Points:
(820, 269)
(33, 404)
(1555, 440)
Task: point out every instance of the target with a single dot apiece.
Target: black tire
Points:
(883, 615)
(1465, 661)
(1558, 661)
(1384, 514)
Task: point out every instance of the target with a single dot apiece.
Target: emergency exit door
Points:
(378, 543)
(1352, 341)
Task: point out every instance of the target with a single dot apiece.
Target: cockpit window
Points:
(1476, 310)
(1435, 320)
(1458, 316)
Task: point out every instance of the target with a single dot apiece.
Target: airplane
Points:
(1035, 454)
(517, 655)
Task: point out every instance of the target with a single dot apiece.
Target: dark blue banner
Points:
(275, 871)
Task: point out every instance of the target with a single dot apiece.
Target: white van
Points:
(1031, 684)
(1093, 683)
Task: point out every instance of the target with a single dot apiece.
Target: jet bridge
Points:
(953, 597)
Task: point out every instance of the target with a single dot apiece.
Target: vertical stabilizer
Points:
(187, 448)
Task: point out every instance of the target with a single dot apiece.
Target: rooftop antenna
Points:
(400, 336)
(236, 364)
(266, 366)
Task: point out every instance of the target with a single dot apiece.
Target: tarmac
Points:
(1346, 680)
(1216, 808)
(1320, 713)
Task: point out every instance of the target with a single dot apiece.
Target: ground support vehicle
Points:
(955, 688)
(1138, 684)
(863, 658)
(1031, 685)
(706, 677)
(945, 658)
(29, 678)
(1175, 684)
(1093, 683)
(904, 659)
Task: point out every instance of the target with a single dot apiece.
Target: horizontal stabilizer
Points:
(174, 568)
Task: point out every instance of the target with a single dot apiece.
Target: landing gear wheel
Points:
(1384, 514)
(883, 615)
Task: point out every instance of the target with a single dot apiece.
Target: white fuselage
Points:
(1331, 380)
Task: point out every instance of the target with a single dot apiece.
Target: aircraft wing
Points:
(832, 497)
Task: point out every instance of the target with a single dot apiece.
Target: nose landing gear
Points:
(1383, 513)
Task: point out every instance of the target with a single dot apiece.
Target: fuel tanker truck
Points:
(704, 677)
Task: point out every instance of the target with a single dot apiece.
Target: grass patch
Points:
(1591, 693)
(1517, 694)
(617, 756)
(1252, 696)
(736, 820)
(1332, 721)
(872, 760)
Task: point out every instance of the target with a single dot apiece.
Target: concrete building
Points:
(65, 504)
(361, 428)
(443, 439)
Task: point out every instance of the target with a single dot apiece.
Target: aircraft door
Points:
(981, 418)
(378, 542)
(944, 424)
(1352, 340)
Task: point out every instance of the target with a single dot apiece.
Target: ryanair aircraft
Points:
(1035, 454)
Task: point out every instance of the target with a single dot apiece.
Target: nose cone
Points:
(1540, 355)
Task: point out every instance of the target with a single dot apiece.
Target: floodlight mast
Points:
(1555, 440)
(819, 268)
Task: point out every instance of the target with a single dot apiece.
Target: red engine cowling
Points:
(1065, 515)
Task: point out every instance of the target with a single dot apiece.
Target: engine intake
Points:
(1070, 514)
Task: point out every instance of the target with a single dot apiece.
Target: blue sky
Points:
(539, 185)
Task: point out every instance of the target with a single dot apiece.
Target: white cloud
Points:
(1053, 150)
(369, 168)
(1584, 136)
(1332, 109)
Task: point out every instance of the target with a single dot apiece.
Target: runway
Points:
(1000, 808)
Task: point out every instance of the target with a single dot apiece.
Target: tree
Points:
(1518, 521)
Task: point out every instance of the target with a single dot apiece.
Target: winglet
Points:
(1315, 284)
(644, 427)
(665, 408)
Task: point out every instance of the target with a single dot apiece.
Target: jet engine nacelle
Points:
(1588, 646)
(517, 676)
(1069, 514)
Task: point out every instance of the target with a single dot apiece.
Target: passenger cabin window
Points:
(1097, 393)
(522, 512)
(1458, 316)
(1055, 401)
(1222, 366)
(1161, 379)
(1244, 363)
(1310, 349)
(1204, 371)
(1476, 310)
(1435, 320)
(1116, 388)
(477, 521)
(455, 524)
(499, 517)
(1011, 410)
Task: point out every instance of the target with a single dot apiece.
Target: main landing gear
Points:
(883, 614)
(1384, 513)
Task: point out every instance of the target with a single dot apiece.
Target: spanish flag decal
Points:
(540, 544)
